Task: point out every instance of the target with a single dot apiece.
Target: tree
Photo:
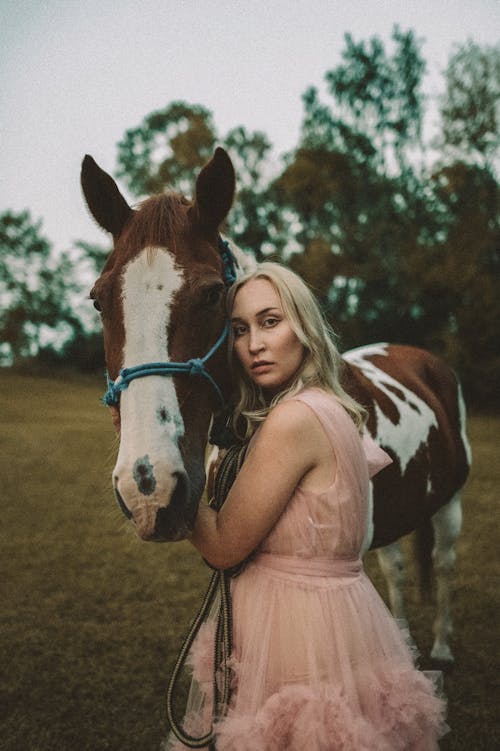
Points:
(254, 207)
(462, 270)
(96, 255)
(470, 107)
(354, 186)
(461, 274)
(34, 290)
(379, 96)
(166, 149)
(171, 145)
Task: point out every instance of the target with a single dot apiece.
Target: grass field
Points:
(91, 617)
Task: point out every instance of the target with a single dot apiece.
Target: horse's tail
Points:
(423, 544)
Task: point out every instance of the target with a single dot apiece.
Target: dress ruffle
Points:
(397, 709)
(400, 712)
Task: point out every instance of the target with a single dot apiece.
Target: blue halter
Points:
(195, 366)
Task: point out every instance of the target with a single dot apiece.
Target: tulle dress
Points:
(319, 662)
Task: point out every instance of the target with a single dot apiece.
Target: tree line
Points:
(398, 233)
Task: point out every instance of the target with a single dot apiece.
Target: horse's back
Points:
(416, 412)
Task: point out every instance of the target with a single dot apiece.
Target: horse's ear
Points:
(214, 191)
(106, 203)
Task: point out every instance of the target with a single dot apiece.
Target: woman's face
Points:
(264, 342)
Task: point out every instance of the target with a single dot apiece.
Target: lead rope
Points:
(219, 581)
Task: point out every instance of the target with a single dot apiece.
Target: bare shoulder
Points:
(291, 415)
(293, 427)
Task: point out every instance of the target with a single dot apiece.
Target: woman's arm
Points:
(285, 450)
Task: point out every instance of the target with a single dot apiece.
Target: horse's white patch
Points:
(149, 281)
(463, 421)
(416, 417)
(369, 350)
(151, 418)
(370, 527)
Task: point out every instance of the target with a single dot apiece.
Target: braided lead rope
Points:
(179, 732)
(222, 651)
(220, 580)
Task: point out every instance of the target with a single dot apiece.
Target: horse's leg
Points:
(392, 564)
(447, 523)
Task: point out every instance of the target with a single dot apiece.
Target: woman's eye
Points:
(269, 322)
(238, 331)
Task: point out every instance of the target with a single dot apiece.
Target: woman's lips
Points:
(261, 367)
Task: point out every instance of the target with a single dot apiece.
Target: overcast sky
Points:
(75, 74)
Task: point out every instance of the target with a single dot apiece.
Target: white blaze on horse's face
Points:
(149, 467)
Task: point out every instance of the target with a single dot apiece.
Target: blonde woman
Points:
(319, 662)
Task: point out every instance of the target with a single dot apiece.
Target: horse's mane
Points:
(158, 220)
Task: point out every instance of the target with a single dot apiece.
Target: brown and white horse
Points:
(161, 296)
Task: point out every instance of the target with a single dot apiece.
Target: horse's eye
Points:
(97, 305)
(213, 295)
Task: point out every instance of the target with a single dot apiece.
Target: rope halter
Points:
(194, 366)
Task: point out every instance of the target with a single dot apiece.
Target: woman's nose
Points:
(255, 343)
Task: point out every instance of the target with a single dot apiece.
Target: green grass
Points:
(91, 617)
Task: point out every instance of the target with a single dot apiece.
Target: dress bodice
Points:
(332, 523)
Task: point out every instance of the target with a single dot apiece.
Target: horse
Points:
(161, 296)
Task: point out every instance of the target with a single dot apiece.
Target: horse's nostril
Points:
(181, 492)
(122, 504)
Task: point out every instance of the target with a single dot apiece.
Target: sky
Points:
(76, 74)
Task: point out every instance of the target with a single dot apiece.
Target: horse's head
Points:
(162, 301)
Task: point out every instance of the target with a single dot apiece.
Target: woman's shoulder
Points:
(314, 406)
(292, 430)
(318, 399)
(328, 408)
(290, 422)
(290, 414)
(301, 417)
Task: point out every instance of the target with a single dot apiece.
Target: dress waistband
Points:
(298, 565)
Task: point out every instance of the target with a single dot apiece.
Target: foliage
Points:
(393, 252)
(166, 149)
(35, 287)
(379, 96)
(353, 187)
(250, 216)
(470, 107)
(462, 275)
(170, 146)
(41, 312)
(95, 254)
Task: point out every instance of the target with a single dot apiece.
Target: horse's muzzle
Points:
(155, 522)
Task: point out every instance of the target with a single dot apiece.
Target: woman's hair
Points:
(322, 363)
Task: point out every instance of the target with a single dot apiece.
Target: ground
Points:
(92, 618)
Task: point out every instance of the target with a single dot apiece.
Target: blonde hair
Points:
(322, 363)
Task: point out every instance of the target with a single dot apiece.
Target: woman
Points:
(319, 662)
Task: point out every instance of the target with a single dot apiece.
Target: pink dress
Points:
(319, 662)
